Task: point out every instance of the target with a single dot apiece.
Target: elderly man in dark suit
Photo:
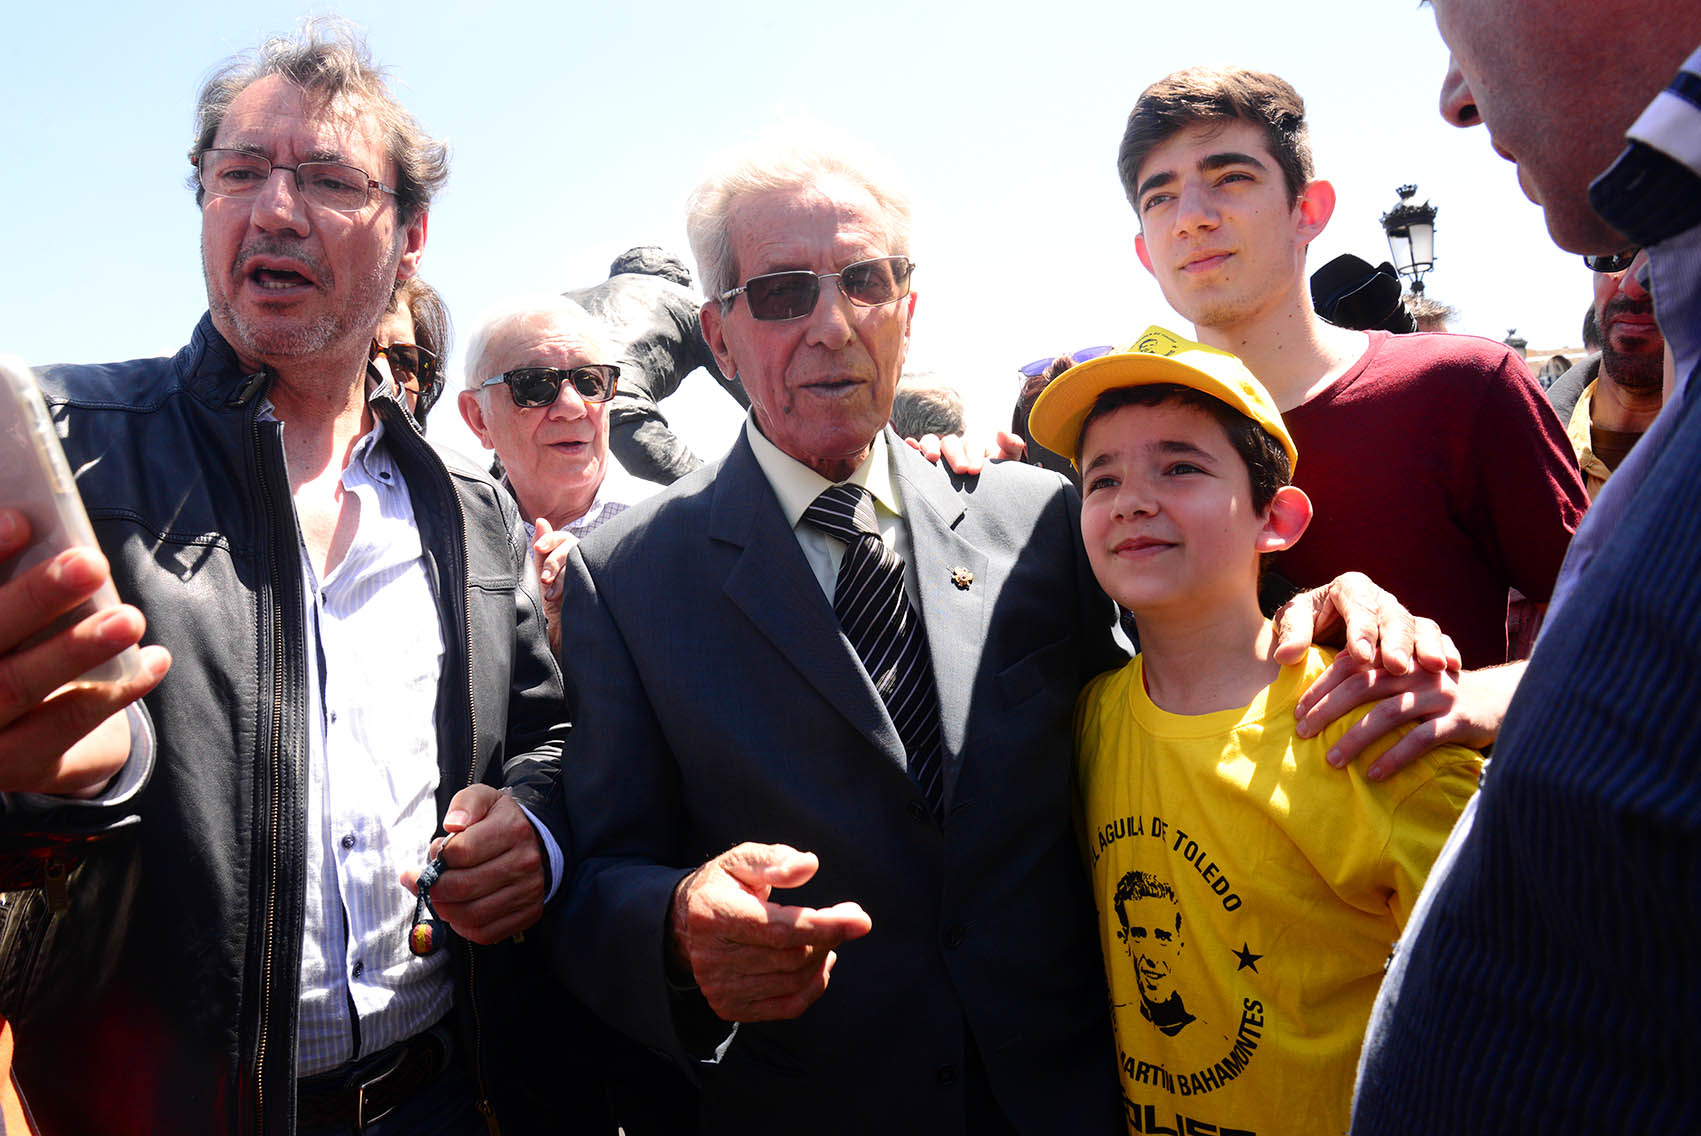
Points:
(824, 667)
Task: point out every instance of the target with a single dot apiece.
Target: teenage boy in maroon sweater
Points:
(1434, 462)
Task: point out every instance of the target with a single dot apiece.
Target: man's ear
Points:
(909, 325)
(1140, 251)
(1315, 206)
(1286, 519)
(472, 410)
(413, 245)
(713, 318)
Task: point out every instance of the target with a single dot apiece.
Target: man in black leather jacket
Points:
(155, 976)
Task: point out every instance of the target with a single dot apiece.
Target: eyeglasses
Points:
(412, 367)
(789, 295)
(1612, 262)
(333, 185)
(541, 386)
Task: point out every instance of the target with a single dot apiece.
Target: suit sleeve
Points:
(537, 723)
(1097, 613)
(620, 793)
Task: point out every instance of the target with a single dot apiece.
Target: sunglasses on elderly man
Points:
(791, 295)
(541, 386)
(411, 366)
(1613, 261)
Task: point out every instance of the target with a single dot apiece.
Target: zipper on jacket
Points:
(484, 1105)
(274, 832)
(447, 482)
(53, 886)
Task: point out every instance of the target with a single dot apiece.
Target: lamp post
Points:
(1411, 237)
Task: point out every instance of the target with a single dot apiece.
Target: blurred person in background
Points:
(926, 405)
(412, 343)
(1609, 400)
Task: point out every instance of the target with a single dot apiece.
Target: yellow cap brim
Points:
(1062, 408)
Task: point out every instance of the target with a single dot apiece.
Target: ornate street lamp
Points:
(1411, 237)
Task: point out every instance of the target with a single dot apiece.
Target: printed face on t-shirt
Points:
(1153, 939)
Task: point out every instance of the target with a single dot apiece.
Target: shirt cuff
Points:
(125, 784)
(551, 849)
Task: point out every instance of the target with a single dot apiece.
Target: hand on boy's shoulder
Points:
(1400, 662)
(1431, 709)
(968, 459)
(1376, 628)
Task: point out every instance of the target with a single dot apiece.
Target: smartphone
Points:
(36, 479)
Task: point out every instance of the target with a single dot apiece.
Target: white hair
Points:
(529, 313)
(782, 158)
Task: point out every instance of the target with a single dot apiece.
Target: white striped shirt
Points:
(373, 673)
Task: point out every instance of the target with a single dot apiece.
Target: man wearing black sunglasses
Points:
(539, 388)
(412, 344)
(858, 674)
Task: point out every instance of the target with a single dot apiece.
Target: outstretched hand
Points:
(753, 959)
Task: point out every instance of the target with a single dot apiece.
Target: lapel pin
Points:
(962, 577)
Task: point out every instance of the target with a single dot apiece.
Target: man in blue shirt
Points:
(1545, 982)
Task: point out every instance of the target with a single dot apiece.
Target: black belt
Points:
(364, 1092)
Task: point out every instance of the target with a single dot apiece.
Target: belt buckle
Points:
(361, 1119)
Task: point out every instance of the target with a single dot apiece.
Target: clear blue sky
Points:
(578, 130)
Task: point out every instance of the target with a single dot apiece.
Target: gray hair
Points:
(775, 162)
(1428, 314)
(925, 404)
(329, 59)
(529, 313)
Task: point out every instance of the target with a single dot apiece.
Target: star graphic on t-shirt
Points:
(1247, 958)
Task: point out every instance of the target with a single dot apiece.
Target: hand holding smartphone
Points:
(62, 732)
(36, 480)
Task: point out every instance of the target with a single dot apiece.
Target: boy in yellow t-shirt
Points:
(1248, 894)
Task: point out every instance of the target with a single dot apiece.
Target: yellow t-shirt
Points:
(1248, 897)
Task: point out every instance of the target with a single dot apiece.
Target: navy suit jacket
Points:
(715, 701)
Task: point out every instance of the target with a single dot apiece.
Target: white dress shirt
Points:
(375, 661)
(374, 665)
(797, 486)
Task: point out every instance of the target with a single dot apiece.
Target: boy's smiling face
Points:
(1166, 510)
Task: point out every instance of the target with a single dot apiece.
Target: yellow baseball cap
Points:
(1158, 356)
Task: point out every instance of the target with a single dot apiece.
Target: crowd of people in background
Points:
(1180, 766)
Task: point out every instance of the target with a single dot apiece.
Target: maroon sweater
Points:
(1437, 468)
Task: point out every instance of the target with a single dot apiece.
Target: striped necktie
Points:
(882, 625)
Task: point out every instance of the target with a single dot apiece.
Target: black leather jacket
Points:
(162, 996)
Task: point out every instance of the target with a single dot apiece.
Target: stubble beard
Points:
(283, 337)
(1640, 373)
